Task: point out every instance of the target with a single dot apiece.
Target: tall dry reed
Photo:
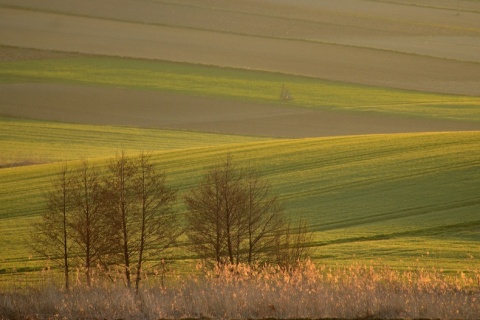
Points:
(246, 292)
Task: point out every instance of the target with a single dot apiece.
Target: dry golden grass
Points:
(244, 292)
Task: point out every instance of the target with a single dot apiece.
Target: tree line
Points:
(124, 215)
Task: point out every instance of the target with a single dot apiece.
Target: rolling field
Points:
(390, 197)
(379, 149)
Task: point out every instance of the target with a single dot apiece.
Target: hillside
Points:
(393, 197)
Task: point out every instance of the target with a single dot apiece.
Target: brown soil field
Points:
(419, 45)
(102, 106)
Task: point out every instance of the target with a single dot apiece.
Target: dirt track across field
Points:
(425, 45)
(80, 104)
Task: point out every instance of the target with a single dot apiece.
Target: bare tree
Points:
(205, 221)
(232, 199)
(51, 236)
(124, 218)
(158, 224)
(264, 217)
(119, 190)
(89, 229)
(292, 246)
(232, 216)
(140, 213)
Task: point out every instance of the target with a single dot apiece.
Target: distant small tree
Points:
(285, 93)
(51, 235)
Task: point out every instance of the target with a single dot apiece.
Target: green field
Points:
(397, 198)
(29, 141)
(239, 84)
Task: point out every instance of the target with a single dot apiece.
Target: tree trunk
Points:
(65, 225)
(65, 245)
(142, 232)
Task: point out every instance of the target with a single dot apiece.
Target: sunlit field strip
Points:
(29, 141)
(364, 196)
(239, 84)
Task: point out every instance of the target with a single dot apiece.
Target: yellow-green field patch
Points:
(28, 141)
(246, 85)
